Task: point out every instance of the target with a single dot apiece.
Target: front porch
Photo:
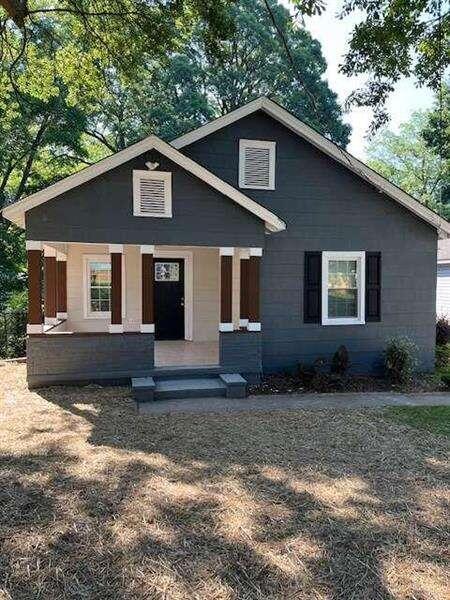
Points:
(101, 314)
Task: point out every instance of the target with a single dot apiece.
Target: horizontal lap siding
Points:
(326, 207)
(101, 211)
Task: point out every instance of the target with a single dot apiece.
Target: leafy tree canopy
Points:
(199, 84)
(406, 159)
(395, 39)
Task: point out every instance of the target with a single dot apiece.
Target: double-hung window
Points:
(97, 286)
(343, 288)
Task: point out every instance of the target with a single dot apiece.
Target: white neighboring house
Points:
(443, 279)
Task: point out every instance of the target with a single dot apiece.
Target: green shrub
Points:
(400, 359)
(442, 331)
(340, 362)
(443, 356)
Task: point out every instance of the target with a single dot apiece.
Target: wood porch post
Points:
(50, 285)
(116, 251)
(61, 286)
(226, 289)
(34, 254)
(254, 319)
(243, 287)
(147, 279)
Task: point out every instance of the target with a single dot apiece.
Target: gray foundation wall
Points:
(66, 358)
(241, 351)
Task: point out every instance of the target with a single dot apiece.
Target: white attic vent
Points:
(257, 164)
(152, 194)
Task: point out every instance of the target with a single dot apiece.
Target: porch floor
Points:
(183, 353)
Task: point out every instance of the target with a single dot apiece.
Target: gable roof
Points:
(322, 143)
(16, 212)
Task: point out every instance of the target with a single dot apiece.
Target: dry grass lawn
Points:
(99, 503)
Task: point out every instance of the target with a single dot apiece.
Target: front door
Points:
(169, 298)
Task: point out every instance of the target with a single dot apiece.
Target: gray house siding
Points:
(101, 211)
(326, 207)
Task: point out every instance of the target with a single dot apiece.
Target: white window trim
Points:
(88, 258)
(271, 146)
(159, 176)
(360, 258)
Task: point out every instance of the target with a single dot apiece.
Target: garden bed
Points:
(323, 383)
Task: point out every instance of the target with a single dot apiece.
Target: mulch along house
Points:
(244, 247)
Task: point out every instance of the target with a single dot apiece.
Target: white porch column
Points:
(34, 255)
(147, 287)
(50, 285)
(61, 286)
(116, 325)
(254, 319)
(226, 289)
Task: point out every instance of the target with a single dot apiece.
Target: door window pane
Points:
(165, 271)
(342, 288)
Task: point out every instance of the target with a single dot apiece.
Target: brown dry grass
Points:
(99, 503)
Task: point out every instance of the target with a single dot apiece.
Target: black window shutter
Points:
(312, 288)
(373, 286)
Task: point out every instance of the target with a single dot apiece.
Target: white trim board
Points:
(16, 212)
(319, 141)
(187, 255)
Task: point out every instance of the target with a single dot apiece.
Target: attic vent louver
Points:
(152, 192)
(257, 164)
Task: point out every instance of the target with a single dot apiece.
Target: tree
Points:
(395, 39)
(199, 84)
(406, 159)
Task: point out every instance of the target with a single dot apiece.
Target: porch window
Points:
(343, 285)
(97, 286)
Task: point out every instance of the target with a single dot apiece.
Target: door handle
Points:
(182, 302)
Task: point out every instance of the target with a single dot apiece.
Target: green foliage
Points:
(406, 159)
(442, 331)
(400, 359)
(340, 362)
(395, 39)
(435, 419)
(196, 84)
(12, 261)
(443, 356)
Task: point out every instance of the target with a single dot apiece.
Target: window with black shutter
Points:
(373, 286)
(312, 296)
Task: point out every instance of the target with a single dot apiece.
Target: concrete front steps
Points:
(166, 387)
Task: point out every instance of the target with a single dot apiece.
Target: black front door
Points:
(169, 298)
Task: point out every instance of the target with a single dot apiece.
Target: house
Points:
(443, 279)
(246, 246)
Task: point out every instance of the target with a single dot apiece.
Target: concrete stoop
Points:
(229, 385)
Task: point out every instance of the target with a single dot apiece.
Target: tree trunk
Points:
(17, 10)
(31, 156)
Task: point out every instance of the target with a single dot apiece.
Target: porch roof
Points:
(16, 212)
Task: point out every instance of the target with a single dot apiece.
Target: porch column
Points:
(254, 319)
(226, 289)
(61, 286)
(34, 253)
(50, 285)
(147, 278)
(243, 300)
(116, 251)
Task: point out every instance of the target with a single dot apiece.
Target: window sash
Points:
(93, 293)
(343, 284)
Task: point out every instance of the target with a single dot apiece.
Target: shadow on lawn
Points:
(310, 505)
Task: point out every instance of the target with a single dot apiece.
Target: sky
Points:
(334, 34)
